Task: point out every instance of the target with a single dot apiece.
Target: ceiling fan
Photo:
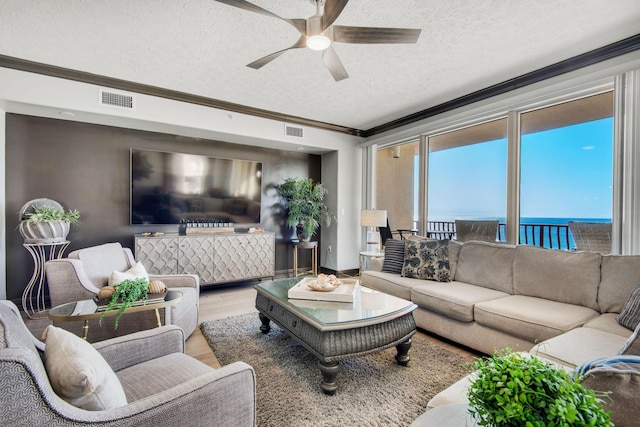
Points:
(318, 33)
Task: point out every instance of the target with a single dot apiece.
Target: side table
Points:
(365, 255)
(88, 309)
(41, 253)
(314, 256)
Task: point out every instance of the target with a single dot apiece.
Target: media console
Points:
(216, 258)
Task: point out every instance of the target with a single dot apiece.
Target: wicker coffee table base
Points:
(351, 339)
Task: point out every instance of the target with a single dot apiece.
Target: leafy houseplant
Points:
(126, 294)
(49, 213)
(304, 203)
(45, 221)
(515, 389)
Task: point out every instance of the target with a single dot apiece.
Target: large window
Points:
(467, 175)
(565, 166)
(566, 169)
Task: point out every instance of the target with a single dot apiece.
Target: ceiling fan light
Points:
(318, 42)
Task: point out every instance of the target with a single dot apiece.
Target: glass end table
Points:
(86, 310)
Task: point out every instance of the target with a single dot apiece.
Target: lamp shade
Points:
(373, 218)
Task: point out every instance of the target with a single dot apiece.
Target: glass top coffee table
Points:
(333, 331)
(88, 309)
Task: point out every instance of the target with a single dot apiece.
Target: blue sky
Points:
(565, 173)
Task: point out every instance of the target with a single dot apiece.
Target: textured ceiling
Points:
(201, 47)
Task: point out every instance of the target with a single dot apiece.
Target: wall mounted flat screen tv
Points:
(171, 188)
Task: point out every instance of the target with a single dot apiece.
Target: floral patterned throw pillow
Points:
(427, 260)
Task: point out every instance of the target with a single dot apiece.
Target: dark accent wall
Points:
(86, 167)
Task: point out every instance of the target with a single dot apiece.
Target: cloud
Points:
(589, 147)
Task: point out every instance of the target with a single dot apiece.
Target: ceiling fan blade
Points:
(298, 24)
(333, 63)
(302, 42)
(332, 9)
(371, 35)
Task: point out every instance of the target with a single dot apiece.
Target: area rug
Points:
(372, 390)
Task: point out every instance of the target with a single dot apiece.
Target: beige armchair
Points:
(163, 386)
(84, 272)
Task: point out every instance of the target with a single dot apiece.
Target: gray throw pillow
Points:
(427, 260)
(393, 256)
(630, 315)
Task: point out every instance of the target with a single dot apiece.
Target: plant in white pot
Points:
(45, 221)
(304, 202)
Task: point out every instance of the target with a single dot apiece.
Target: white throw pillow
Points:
(79, 374)
(136, 272)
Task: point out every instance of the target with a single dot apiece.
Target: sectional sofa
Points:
(518, 296)
(562, 306)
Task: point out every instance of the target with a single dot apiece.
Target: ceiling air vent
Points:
(116, 99)
(293, 131)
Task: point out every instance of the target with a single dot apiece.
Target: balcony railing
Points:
(553, 236)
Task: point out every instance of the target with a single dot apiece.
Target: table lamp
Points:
(373, 218)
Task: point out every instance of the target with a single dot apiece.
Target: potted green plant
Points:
(127, 293)
(519, 389)
(45, 221)
(304, 202)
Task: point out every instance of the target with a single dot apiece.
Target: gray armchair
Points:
(467, 230)
(591, 236)
(84, 272)
(164, 387)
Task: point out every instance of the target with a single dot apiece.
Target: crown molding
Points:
(595, 56)
(96, 79)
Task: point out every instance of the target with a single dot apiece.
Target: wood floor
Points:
(220, 302)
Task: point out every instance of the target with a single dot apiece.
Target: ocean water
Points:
(544, 232)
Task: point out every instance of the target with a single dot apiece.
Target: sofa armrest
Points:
(132, 349)
(619, 376)
(178, 280)
(68, 282)
(223, 396)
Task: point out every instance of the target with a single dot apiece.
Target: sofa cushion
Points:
(562, 276)
(486, 264)
(427, 260)
(149, 378)
(390, 283)
(619, 273)
(607, 322)
(531, 318)
(575, 347)
(393, 256)
(454, 299)
(630, 315)
(79, 374)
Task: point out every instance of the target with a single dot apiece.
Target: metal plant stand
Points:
(41, 253)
